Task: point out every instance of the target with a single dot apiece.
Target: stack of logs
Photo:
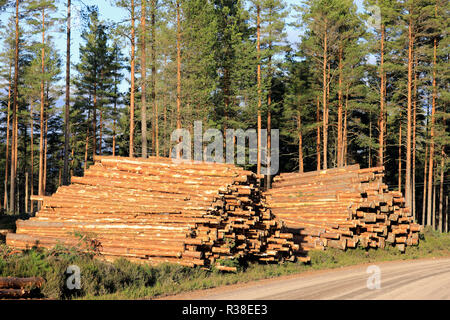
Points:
(19, 288)
(342, 208)
(157, 210)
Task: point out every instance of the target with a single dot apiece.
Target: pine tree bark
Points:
(414, 140)
(400, 157)
(42, 129)
(441, 187)
(441, 191)
(424, 198)
(325, 96)
(258, 75)
(431, 155)
(345, 139)
(300, 143)
(143, 80)
(269, 141)
(340, 159)
(155, 105)
(5, 199)
(408, 191)
(132, 90)
(382, 99)
(318, 153)
(100, 140)
(12, 185)
(115, 115)
(32, 151)
(94, 122)
(178, 70)
(433, 223)
(67, 111)
(86, 146)
(44, 180)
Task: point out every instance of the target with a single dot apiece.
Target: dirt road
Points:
(414, 279)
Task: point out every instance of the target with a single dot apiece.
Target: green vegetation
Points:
(122, 279)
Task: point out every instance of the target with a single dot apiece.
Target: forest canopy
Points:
(364, 82)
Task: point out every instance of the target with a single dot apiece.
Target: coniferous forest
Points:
(364, 82)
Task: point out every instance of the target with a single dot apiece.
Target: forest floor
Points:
(122, 279)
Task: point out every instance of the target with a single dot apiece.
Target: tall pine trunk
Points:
(400, 157)
(424, 198)
(431, 155)
(340, 159)
(382, 98)
(132, 64)
(32, 151)
(5, 199)
(66, 111)
(318, 153)
(414, 141)
(325, 98)
(155, 105)
(94, 122)
(441, 187)
(143, 81)
(44, 180)
(441, 190)
(345, 139)
(408, 184)
(86, 146)
(12, 185)
(300, 143)
(258, 75)
(42, 129)
(178, 70)
(100, 139)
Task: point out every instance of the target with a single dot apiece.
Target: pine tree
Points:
(41, 21)
(94, 79)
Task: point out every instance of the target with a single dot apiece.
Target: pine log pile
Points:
(19, 288)
(342, 208)
(154, 210)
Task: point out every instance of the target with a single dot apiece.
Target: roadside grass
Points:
(122, 279)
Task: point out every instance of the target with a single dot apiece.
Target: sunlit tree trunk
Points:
(300, 143)
(155, 105)
(258, 75)
(318, 153)
(178, 70)
(132, 64)
(381, 123)
(431, 155)
(12, 185)
(143, 80)
(325, 96)
(66, 110)
(340, 159)
(400, 157)
(42, 128)
(414, 142)
(32, 151)
(5, 199)
(408, 183)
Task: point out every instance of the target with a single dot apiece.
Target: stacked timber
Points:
(342, 208)
(158, 210)
(18, 288)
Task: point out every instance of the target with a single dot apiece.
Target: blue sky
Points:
(110, 12)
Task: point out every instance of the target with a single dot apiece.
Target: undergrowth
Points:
(123, 279)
